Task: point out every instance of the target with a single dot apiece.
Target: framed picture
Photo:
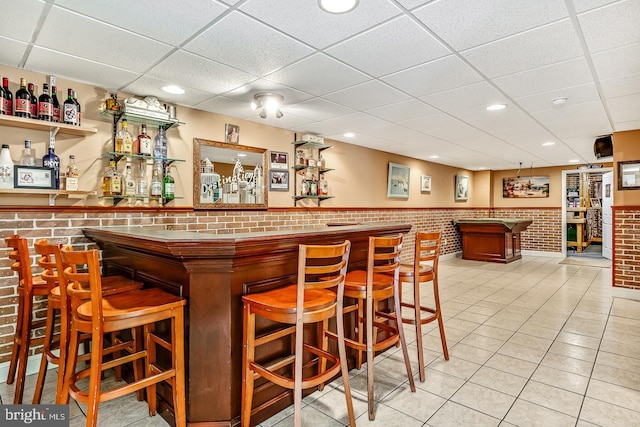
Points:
(462, 188)
(33, 177)
(279, 160)
(525, 187)
(231, 133)
(425, 183)
(278, 180)
(398, 181)
(629, 175)
(595, 202)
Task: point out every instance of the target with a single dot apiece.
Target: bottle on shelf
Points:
(70, 110)
(160, 143)
(323, 186)
(34, 100)
(6, 167)
(72, 175)
(8, 97)
(2, 101)
(22, 106)
(111, 180)
(168, 185)
(156, 180)
(27, 158)
(55, 104)
(129, 182)
(45, 106)
(124, 141)
(145, 145)
(51, 160)
(75, 99)
(142, 186)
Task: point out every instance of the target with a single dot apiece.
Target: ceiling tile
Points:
(247, 45)
(430, 125)
(410, 4)
(162, 19)
(317, 109)
(318, 128)
(535, 48)
(367, 95)
(481, 93)
(354, 122)
(624, 108)
(612, 26)
(584, 5)
(305, 21)
(621, 86)
(397, 44)
(87, 38)
(227, 106)
(12, 51)
(467, 23)
(150, 86)
(396, 133)
(617, 62)
(442, 74)
(288, 121)
(246, 92)
(404, 110)
(575, 95)
(304, 75)
(588, 118)
(631, 125)
(20, 29)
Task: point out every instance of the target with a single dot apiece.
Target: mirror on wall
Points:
(228, 176)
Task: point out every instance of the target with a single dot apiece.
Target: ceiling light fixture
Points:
(173, 89)
(269, 103)
(337, 6)
(496, 107)
(349, 135)
(559, 102)
(548, 143)
(574, 161)
(435, 156)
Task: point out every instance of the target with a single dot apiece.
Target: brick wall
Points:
(66, 227)
(626, 247)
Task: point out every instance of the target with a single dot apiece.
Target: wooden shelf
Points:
(34, 124)
(51, 193)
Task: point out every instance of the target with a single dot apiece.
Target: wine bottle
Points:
(45, 106)
(75, 99)
(27, 158)
(70, 110)
(56, 104)
(2, 101)
(168, 185)
(8, 97)
(51, 160)
(22, 107)
(145, 145)
(34, 101)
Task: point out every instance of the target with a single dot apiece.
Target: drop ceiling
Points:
(411, 77)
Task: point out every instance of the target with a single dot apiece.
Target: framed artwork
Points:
(525, 187)
(462, 188)
(425, 183)
(278, 180)
(231, 133)
(595, 202)
(279, 160)
(398, 181)
(629, 175)
(33, 177)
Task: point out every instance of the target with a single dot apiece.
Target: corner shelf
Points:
(117, 115)
(314, 148)
(53, 194)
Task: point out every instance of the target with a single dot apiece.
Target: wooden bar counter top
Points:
(213, 271)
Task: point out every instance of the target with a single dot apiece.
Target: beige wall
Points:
(626, 146)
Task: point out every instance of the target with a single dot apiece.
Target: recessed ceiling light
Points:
(574, 161)
(481, 168)
(435, 156)
(337, 6)
(548, 143)
(349, 135)
(558, 102)
(173, 89)
(496, 107)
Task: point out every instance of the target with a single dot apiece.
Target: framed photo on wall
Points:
(278, 180)
(462, 188)
(425, 183)
(231, 133)
(279, 160)
(398, 181)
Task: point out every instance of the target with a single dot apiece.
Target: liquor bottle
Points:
(142, 187)
(75, 99)
(129, 182)
(111, 180)
(72, 175)
(156, 180)
(124, 141)
(45, 106)
(22, 107)
(168, 185)
(34, 100)
(56, 104)
(323, 186)
(70, 110)
(51, 160)
(2, 101)
(27, 158)
(8, 97)
(6, 167)
(160, 144)
(145, 145)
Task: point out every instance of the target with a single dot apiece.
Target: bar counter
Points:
(213, 271)
(492, 239)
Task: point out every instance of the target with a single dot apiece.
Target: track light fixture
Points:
(269, 103)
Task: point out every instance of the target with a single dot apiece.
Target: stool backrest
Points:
(427, 249)
(384, 256)
(21, 261)
(83, 284)
(52, 266)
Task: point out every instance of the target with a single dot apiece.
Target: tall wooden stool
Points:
(378, 282)
(312, 300)
(107, 314)
(29, 287)
(424, 269)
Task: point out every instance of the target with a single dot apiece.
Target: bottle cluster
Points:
(134, 184)
(45, 107)
(142, 145)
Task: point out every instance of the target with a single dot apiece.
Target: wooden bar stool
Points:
(29, 287)
(51, 263)
(106, 314)
(379, 282)
(424, 269)
(321, 268)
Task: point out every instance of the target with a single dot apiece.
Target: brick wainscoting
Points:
(626, 246)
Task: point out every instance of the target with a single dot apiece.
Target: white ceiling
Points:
(411, 77)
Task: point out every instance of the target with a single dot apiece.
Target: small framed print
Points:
(33, 177)
(629, 175)
(462, 188)
(231, 133)
(425, 183)
(595, 202)
(278, 180)
(279, 160)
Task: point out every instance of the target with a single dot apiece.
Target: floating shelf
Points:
(34, 124)
(51, 193)
(116, 115)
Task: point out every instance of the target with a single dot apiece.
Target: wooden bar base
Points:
(493, 240)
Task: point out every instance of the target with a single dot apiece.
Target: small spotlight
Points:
(173, 89)
(263, 114)
(496, 107)
(559, 102)
(349, 135)
(279, 113)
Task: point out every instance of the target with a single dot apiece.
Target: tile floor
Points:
(531, 343)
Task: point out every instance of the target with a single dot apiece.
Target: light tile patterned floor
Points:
(532, 343)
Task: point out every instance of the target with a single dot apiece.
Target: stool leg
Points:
(70, 366)
(297, 374)
(322, 361)
(149, 361)
(177, 340)
(44, 360)
(138, 365)
(64, 343)
(418, 320)
(360, 322)
(248, 354)
(93, 400)
(342, 351)
(436, 294)
(16, 341)
(403, 341)
(23, 353)
(370, 354)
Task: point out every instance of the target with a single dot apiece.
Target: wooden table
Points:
(213, 271)
(492, 239)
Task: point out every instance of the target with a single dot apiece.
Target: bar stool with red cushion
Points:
(424, 269)
(29, 287)
(316, 298)
(379, 282)
(106, 314)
